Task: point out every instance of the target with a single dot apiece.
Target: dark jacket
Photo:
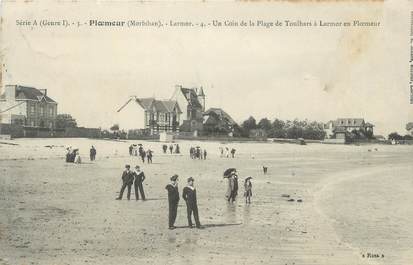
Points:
(139, 177)
(127, 177)
(189, 195)
(173, 193)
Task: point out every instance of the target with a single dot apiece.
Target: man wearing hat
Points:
(189, 195)
(127, 179)
(139, 178)
(173, 199)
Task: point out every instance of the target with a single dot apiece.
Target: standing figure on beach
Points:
(139, 178)
(77, 160)
(127, 181)
(226, 152)
(221, 151)
(233, 152)
(149, 156)
(171, 148)
(92, 153)
(189, 195)
(173, 200)
(232, 190)
(130, 150)
(142, 154)
(177, 149)
(248, 189)
(164, 148)
(205, 154)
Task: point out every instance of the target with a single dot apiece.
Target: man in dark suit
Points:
(139, 178)
(127, 179)
(189, 195)
(173, 199)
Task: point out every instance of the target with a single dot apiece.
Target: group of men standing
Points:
(130, 177)
(197, 153)
(135, 151)
(172, 149)
(136, 177)
(189, 196)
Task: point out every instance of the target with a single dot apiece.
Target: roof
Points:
(191, 96)
(349, 122)
(158, 105)
(409, 126)
(29, 93)
(221, 114)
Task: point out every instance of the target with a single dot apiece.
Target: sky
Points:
(315, 73)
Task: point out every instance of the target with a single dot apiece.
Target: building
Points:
(27, 106)
(217, 121)
(192, 103)
(158, 115)
(347, 127)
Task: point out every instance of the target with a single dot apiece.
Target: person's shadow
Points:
(208, 225)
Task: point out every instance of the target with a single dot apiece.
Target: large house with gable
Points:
(345, 127)
(192, 103)
(27, 106)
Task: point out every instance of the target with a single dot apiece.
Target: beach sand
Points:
(356, 205)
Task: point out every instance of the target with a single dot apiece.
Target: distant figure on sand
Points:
(149, 156)
(142, 154)
(221, 151)
(78, 160)
(232, 190)
(177, 149)
(171, 148)
(205, 154)
(164, 148)
(189, 195)
(248, 189)
(130, 150)
(139, 178)
(265, 169)
(233, 152)
(127, 181)
(226, 152)
(173, 200)
(92, 153)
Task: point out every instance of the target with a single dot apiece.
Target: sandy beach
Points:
(356, 205)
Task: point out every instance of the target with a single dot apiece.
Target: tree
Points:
(265, 124)
(65, 121)
(249, 124)
(395, 136)
(114, 128)
(278, 124)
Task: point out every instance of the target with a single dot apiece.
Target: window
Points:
(41, 110)
(51, 111)
(32, 108)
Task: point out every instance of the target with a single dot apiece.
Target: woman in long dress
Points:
(78, 160)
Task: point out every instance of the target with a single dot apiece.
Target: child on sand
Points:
(248, 189)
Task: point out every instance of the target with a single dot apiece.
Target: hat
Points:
(174, 177)
(127, 166)
(137, 166)
(190, 179)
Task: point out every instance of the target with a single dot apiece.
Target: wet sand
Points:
(354, 202)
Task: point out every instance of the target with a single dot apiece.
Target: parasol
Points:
(228, 172)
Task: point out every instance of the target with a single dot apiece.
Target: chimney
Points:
(10, 91)
(44, 91)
